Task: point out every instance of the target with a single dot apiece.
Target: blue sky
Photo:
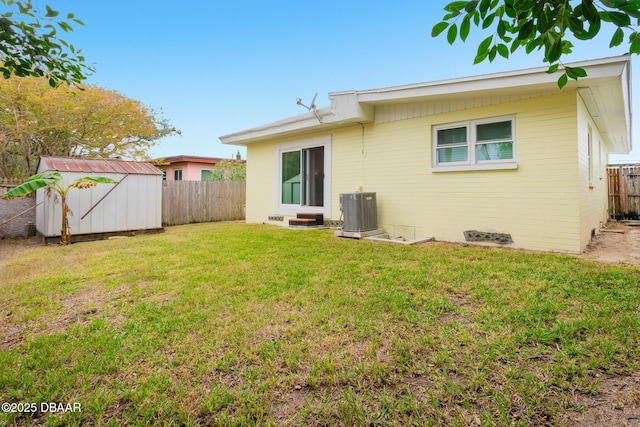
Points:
(218, 67)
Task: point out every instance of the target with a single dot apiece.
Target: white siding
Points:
(134, 204)
(395, 112)
(593, 192)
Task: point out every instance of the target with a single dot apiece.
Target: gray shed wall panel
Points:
(134, 204)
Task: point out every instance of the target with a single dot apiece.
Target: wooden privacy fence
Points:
(6, 184)
(185, 202)
(624, 191)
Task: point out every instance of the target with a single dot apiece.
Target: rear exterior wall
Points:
(539, 203)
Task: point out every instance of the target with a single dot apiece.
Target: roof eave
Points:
(348, 112)
(351, 107)
(532, 77)
(609, 104)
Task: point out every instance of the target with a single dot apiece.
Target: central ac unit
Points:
(360, 211)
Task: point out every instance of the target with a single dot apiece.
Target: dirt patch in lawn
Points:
(616, 403)
(617, 242)
(11, 247)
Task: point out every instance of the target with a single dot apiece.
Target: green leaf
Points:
(484, 45)
(89, 181)
(456, 5)
(635, 44)
(492, 53)
(455, 8)
(476, 19)
(501, 29)
(579, 71)
(631, 10)
(51, 13)
(484, 7)
(620, 19)
(503, 50)
(452, 33)
(553, 68)
(526, 30)
(65, 27)
(617, 39)
(32, 184)
(567, 47)
(575, 72)
(471, 6)
(554, 51)
(465, 27)
(575, 25)
(480, 57)
(515, 45)
(488, 21)
(533, 45)
(589, 11)
(594, 29)
(562, 81)
(439, 28)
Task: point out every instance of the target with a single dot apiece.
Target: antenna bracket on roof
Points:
(311, 107)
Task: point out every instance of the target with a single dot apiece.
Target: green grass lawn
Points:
(234, 324)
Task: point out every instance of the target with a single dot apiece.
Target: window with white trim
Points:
(303, 176)
(477, 144)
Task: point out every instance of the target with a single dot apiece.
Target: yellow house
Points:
(506, 153)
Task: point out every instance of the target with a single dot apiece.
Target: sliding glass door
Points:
(302, 175)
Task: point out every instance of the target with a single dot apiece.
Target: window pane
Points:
(496, 151)
(291, 177)
(490, 131)
(205, 174)
(452, 136)
(453, 154)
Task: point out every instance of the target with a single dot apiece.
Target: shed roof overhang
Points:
(102, 166)
(606, 92)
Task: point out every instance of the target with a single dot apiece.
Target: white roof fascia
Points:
(349, 107)
(626, 93)
(303, 121)
(498, 81)
(347, 112)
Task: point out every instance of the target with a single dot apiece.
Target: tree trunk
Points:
(65, 238)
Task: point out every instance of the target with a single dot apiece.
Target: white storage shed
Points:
(133, 205)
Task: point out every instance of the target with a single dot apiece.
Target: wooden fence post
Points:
(624, 191)
(185, 202)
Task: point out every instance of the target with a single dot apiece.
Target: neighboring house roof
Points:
(172, 160)
(70, 164)
(606, 92)
(194, 159)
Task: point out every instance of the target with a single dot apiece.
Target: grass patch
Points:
(234, 324)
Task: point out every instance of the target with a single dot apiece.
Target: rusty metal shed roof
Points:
(69, 164)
